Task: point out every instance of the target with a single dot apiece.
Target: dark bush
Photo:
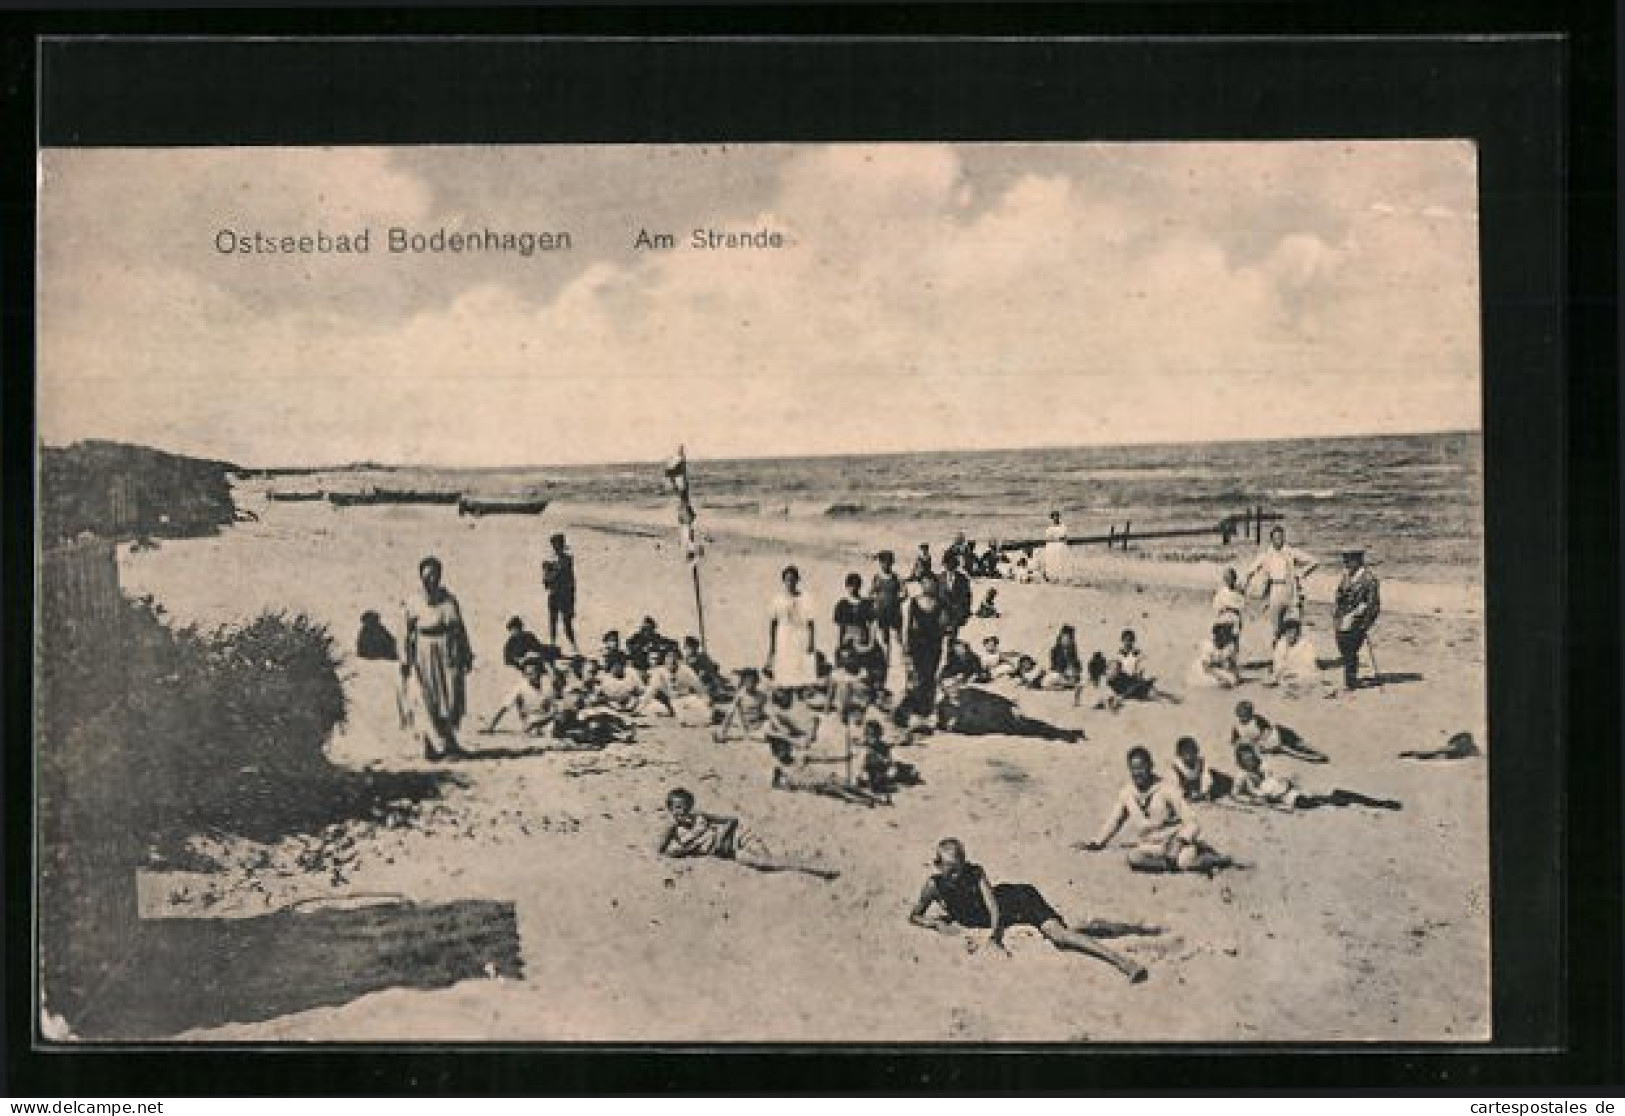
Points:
(147, 735)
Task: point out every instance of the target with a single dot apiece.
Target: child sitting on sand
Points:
(1253, 728)
(1065, 668)
(1093, 691)
(522, 643)
(1294, 664)
(1166, 840)
(610, 650)
(693, 834)
(881, 773)
(1127, 677)
(961, 664)
(374, 641)
(1028, 673)
(1257, 784)
(620, 688)
(674, 690)
(1197, 781)
(705, 669)
(790, 721)
(997, 662)
(969, 901)
(748, 712)
(1216, 660)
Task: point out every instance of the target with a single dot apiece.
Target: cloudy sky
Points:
(930, 297)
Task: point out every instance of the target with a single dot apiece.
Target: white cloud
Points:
(919, 307)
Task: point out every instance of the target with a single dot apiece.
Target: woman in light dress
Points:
(1057, 558)
(790, 634)
(438, 657)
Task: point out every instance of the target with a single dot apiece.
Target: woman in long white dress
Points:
(1057, 558)
(437, 658)
(790, 634)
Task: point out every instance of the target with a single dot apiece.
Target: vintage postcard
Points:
(828, 593)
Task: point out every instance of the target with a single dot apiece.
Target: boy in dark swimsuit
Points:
(886, 593)
(968, 900)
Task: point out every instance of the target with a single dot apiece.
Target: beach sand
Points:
(1352, 924)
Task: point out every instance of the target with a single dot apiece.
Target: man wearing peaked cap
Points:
(1354, 611)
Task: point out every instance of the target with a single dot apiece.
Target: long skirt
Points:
(441, 690)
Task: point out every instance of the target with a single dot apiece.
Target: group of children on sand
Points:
(833, 732)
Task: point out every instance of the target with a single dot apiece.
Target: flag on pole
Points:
(677, 477)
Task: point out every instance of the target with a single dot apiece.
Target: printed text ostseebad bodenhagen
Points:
(394, 240)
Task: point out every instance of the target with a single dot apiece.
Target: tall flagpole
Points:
(677, 476)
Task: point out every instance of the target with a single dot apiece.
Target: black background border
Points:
(1540, 109)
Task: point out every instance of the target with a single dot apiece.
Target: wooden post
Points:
(1127, 523)
(699, 601)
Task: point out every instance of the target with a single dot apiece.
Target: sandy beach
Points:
(1351, 924)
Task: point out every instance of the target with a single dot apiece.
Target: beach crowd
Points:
(838, 694)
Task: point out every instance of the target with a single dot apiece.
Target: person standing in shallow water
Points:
(438, 657)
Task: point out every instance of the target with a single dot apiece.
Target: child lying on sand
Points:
(693, 834)
(1256, 784)
(1252, 728)
(1167, 841)
(1197, 781)
(969, 901)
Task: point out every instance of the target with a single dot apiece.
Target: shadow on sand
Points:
(181, 974)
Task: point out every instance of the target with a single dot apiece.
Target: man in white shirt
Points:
(1283, 567)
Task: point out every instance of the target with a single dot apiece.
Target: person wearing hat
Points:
(559, 579)
(1354, 611)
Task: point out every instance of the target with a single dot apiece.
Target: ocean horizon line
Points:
(359, 466)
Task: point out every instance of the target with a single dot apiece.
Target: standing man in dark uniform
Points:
(559, 579)
(1354, 612)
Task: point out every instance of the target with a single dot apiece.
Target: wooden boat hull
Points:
(478, 507)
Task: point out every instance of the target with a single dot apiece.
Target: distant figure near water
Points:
(438, 658)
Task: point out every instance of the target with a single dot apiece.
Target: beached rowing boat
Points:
(470, 505)
(415, 496)
(290, 497)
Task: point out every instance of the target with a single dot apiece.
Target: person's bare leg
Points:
(1064, 938)
(1105, 928)
(767, 862)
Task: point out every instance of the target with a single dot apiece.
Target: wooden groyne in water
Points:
(1246, 525)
